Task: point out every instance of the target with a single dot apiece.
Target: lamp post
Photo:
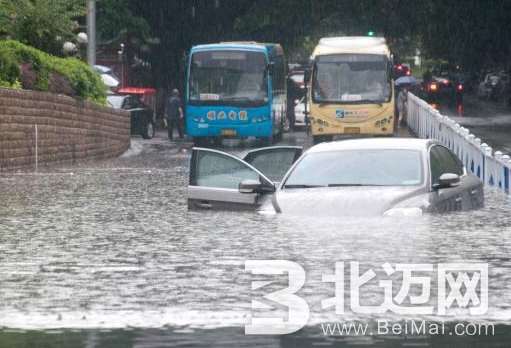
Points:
(91, 32)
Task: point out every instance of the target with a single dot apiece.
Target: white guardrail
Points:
(493, 168)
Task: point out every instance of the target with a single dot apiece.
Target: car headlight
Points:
(405, 212)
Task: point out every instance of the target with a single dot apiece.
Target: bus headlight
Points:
(404, 212)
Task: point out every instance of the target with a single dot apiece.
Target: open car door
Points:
(219, 180)
(274, 161)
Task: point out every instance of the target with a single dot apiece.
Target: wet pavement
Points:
(488, 120)
(107, 255)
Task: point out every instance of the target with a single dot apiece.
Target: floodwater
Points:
(107, 255)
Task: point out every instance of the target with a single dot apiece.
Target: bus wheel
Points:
(200, 141)
(267, 141)
(217, 141)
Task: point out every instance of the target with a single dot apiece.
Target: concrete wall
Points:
(68, 130)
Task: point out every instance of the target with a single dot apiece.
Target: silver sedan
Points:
(382, 176)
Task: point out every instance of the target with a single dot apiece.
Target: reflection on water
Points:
(113, 248)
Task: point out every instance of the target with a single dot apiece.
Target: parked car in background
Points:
(142, 117)
(300, 116)
(295, 92)
(350, 177)
(108, 77)
(493, 86)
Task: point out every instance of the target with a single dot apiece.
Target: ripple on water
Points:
(108, 247)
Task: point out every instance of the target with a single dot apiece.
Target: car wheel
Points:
(148, 131)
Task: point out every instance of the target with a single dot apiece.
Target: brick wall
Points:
(68, 130)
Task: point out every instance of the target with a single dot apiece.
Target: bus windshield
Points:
(351, 78)
(228, 78)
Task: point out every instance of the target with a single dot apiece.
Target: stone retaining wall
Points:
(68, 130)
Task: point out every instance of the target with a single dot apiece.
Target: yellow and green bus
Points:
(351, 90)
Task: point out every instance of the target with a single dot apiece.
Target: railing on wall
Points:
(493, 168)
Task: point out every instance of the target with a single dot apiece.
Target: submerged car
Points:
(400, 176)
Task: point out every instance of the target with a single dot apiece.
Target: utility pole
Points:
(91, 32)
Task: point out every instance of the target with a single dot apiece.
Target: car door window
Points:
(442, 160)
(274, 162)
(212, 169)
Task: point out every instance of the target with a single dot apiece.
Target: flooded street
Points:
(109, 250)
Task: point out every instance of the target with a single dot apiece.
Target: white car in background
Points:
(300, 117)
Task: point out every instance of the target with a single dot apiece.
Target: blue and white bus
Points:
(236, 90)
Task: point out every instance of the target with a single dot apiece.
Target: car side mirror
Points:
(254, 186)
(447, 180)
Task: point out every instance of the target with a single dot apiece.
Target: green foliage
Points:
(44, 24)
(470, 33)
(116, 17)
(85, 82)
(9, 69)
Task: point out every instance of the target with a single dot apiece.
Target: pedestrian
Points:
(402, 105)
(175, 116)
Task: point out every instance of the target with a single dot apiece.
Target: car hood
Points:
(342, 201)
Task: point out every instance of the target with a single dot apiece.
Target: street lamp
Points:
(82, 38)
(68, 48)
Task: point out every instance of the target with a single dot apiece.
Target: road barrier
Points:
(426, 122)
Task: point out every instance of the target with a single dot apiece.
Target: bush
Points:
(48, 70)
(9, 70)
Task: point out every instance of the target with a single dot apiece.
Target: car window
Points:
(442, 160)
(273, 163)
(128, 103)
(218, 170)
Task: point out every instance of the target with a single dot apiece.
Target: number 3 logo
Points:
(298, 309)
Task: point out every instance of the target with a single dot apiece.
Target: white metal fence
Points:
(493, 168)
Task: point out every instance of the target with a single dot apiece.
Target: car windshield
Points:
(115, 101)
(351, 78)
(372, 167)
(235, 77)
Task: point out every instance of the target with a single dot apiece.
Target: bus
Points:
(236, 90)
(351, 89)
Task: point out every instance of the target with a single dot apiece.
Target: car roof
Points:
(374, 143)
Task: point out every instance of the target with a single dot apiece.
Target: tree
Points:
(44, 24)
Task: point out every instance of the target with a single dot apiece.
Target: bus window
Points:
(217, 77)
(348, 78)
